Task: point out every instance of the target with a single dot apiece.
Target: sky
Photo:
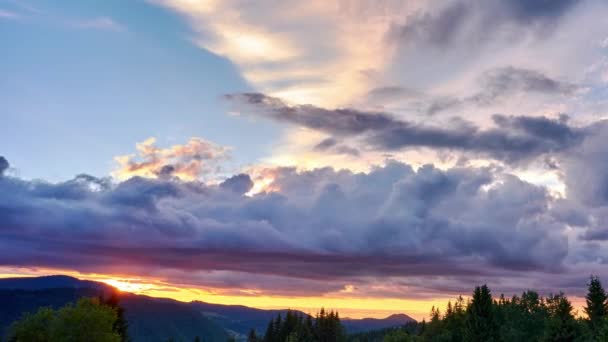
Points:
(369, 156)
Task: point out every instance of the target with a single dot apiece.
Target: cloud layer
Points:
(321, 226)
(513, 138)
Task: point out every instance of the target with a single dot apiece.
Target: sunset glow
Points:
(372, 157)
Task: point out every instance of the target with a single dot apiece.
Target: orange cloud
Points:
(186, 162)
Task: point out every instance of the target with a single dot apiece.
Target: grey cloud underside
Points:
(475, 22)
(323, 224)
(3, 165)
(332, 145)
(500, 83)
(514, 138)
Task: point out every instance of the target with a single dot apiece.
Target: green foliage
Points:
(561, 325)
(32, 327)
(521, 318)
(88, 320)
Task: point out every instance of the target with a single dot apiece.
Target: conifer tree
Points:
(562, 326)
(121, 325)
(269, 336)
(480, 322)
(596, 300)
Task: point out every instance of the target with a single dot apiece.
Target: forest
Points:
(481, 317)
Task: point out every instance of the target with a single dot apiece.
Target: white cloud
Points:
(8, 14)
(100, 23)
(318, 52)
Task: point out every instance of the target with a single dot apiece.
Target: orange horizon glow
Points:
(347, 306)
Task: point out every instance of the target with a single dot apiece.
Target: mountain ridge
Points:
(143, 311)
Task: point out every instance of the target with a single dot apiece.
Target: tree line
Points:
(297, 327)
(528, 317)
(482, 318)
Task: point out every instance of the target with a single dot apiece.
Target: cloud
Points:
(8, 14)
(278, 50)
(584, 173)
(500, 83)
(332, 145)
(429, 229)
(514, 138)
(3, 165)
(318, 225)
(239, 184)
(190, 161)
(100, 23)
(474, 22)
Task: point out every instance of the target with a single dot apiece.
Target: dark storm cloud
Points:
(477, 21)
(514, 138)
(322, 224)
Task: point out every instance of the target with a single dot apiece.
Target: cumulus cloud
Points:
(513, 138)
(319, 224)
(584, 173)
(189, 161)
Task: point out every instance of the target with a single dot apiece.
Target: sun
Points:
(127, 285)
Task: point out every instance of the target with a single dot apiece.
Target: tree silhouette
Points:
(121, 325)
(562, 326)
(480, 323)
(296, 327)
(596, 300)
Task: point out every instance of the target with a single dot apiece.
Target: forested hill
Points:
(150, 319)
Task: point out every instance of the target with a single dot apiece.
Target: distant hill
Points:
(49, 282)
(150, 319)
(367, 324)
(239, 319)
(155, 319)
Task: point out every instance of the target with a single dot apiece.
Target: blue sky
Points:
(77, 90)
